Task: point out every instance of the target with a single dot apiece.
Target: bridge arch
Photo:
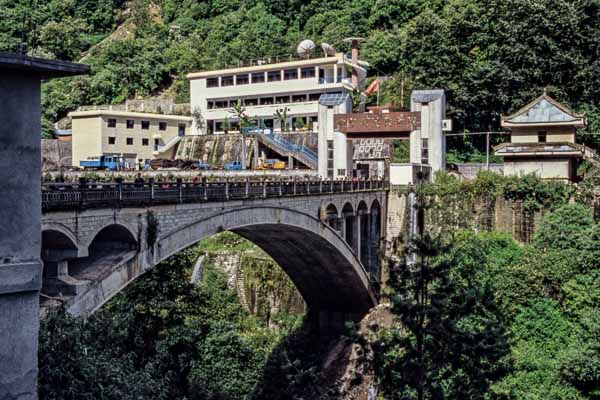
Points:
(112, 236)
(317, 259)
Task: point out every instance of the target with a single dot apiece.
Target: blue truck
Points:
(233, 166)
(112, 163)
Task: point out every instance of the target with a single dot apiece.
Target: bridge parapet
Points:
(86, 195)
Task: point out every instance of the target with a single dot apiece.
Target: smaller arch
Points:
(362, 208)
(375, 205)
(347, 210)
(57, 245)
(331, 211)
(113, 237)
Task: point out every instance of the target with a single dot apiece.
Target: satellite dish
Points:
(328, 49)
(305, 48)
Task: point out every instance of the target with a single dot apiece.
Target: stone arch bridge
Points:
(326, 235)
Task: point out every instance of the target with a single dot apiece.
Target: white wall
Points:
(432, 115)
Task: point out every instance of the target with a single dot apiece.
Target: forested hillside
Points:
(491, 56)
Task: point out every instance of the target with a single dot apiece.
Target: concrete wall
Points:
(20, 239)
(56, 154)
(87, 139)
(543, 167)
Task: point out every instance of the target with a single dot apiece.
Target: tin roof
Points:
(333, 99)
(542, 111)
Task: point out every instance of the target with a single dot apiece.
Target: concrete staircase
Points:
(286, 148)
(593, 158)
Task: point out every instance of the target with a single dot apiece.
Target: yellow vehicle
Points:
(270, 164)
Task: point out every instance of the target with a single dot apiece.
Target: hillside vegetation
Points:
(491, 56)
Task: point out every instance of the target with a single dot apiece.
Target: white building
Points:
(267, 88)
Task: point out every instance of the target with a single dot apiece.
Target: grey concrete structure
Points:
(330, 251)
(20, 232)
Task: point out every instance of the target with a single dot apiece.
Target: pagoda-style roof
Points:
(544, 111)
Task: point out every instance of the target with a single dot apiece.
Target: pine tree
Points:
(450, 339)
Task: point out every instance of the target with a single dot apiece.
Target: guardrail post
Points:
(280, 187)
(151, 183)
(331, 186)
(82, 188)
(180, 187)
(227, 188)
(294, 186)
(264, 188)
(307, 187)
(205, 184)
(321, 186)
(247, 191)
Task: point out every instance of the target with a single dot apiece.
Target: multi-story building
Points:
(267, 88)
(136, 137)
(543, 140)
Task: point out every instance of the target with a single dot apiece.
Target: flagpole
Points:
(378, 87)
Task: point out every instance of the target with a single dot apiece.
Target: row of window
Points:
(268, 123)
(261, 77)
(296, 98)
(129, 141)
(145, 125)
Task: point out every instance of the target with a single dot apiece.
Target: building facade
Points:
(136, 137)
(543, 140)
(294, 86)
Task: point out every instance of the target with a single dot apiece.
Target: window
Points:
(273, 76)
(242, 79)
(330, 158)
(250, 102)
(112, 140)
(218, 126)
(268, 123)
(308, 72)
(129, 124)
(340, 74)
(298, 98)
(145, 125)
(181, 129)
(227, 80)
(112, 123)
(212, 82)
(145, 142)
(258, 77)
(156, 142)
(221, 104)
(314, 96)
(210, 105)
(341, 172)
(424, 151)
(129, 141)
(162, 126)
(542, 136)
(289, 74)
(282, 99)
(266, 100)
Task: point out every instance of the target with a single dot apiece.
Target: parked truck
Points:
(271, 163)
(112, 163)
(234, 166)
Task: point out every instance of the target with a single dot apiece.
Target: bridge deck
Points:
(57, 197)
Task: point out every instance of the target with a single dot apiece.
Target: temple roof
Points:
(544, 111)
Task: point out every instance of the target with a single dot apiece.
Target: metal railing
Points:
(301, 152)
(56, 197)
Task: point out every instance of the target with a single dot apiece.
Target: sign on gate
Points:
(371, 149)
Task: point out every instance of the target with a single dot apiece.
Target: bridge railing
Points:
(126, 194)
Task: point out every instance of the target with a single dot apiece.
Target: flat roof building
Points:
(265, 88)
(134, 136)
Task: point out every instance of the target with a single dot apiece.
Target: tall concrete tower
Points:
(21, 214)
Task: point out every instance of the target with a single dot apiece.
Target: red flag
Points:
(373, 87)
